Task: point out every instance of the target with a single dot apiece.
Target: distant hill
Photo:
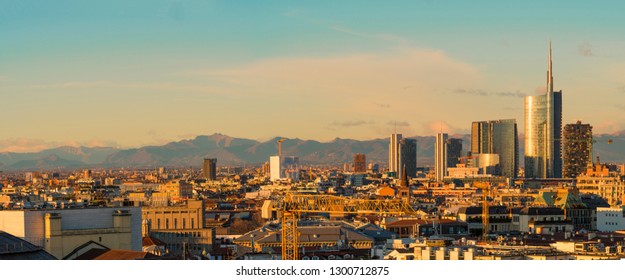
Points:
(237, 151)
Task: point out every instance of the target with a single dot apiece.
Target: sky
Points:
(133, 73)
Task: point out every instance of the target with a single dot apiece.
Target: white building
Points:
(440, 156)
(610, 218)
(61, 230)
(393, 153)
(284, 167)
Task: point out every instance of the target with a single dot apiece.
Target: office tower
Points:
(393, 153)
(543, 129)
(284, 167)
(454, 151)
(498, 137)
(577, 149)
(408, 157)
(209, 169)
(360, 163)
(440, 156)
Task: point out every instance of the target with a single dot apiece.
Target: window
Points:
(166, 223)
(158, 223)
(184, 223)
(192, 225)
(175, 223)
(100, 239)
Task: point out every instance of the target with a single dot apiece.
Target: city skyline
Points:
(130, 75)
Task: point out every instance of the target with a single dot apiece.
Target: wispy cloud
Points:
(398, 123)
(351, 123)
(435, 127)
(383, 105)
(28, 145)
(117, 85)
(480, 92)
(585, 49)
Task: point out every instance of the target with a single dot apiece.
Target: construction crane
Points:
(485, 187)
(280, 146)
(294, 205)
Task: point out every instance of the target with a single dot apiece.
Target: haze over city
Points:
(128, 74)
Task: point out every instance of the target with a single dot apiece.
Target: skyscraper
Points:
(360, 163)
(497, 137)
(577, 149)
(543, 130)
(393, 153)
(454, 151)
(440, 156)
(408, 157)
(209, 169)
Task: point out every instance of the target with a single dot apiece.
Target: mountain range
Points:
(238, 151)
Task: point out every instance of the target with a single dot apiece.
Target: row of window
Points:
(184, 223)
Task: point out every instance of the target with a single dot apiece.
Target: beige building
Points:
(177, 189)
(182, 227)
(61, 231)
(602, 182)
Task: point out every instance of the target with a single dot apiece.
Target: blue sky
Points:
(130, 73)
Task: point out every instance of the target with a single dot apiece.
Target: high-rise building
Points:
(440, 156)
(284, 167)
(577, 149)
(543, 130)
(454, 151)
(497, 137)
(408, 157)
(209, 169)
(393, 153)
(360, 163)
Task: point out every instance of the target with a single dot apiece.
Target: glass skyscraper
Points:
(408, 157)
(543, 130)
(497, 137)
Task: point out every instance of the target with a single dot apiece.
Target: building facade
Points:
(497, 137)
(454, 151)
(577, 149)
(408, 157)
(284, 167)
(360, 163)
(60, 231)
(440, 156)
(543, 129)
(393, 153)
(182, 227)
(209, 169)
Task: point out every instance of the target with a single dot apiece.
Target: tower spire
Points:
(549, 72)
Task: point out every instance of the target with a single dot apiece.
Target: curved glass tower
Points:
(543, 129)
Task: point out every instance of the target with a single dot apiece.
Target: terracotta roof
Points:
(149, 241)
(401, 223)
(125, 255)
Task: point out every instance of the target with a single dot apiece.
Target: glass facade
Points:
(408, 157)
(498, 137)
(543, 129)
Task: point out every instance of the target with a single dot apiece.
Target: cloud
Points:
(435, 127)
(377, 36)
(362, 75)
(351, 123)
(480, 92)
(29, 145)
(620, 106)
(540, 90)
(585, 49)
(400, 123)
(383, 105)
(174, 87)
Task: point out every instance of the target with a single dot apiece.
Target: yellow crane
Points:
(485, 187)
(293, 205)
